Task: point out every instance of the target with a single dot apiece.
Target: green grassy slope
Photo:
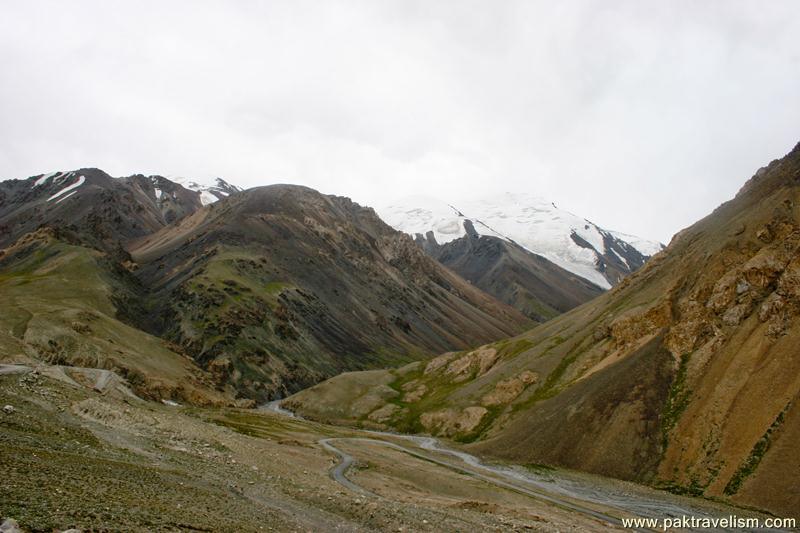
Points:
(57, 306)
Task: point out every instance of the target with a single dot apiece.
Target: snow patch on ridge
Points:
(210, 190)
(417, 215)
(43, 179)
(65, 197)
(207, 198)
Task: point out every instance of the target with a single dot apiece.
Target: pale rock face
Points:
(10, 525)
(508, 389)
(439, 362)
(416, 394)
(377, 399)
(382, 414)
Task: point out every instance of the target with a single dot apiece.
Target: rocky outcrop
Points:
(451, 422)
(508, 389)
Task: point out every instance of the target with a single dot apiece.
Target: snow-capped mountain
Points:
(571, 242)
(210, 190)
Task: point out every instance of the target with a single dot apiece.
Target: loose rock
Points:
(10, 525)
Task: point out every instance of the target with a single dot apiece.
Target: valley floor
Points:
(91, 456)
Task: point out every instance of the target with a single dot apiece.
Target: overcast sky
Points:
(641, 116)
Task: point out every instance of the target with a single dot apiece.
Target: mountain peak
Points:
(532, 222)
(211, 190)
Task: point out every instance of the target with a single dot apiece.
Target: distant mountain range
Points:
(275, 288)
(267, 290)
(104, 210)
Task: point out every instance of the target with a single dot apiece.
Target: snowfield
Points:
(532, 222)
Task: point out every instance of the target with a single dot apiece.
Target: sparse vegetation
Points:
(509, 349)
(677, 401)
(756, 455)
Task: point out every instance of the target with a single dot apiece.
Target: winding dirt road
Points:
(339, 471)
(473, 467)
(586, 497)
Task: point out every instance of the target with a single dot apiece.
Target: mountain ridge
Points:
(309, 271)
(237, 281)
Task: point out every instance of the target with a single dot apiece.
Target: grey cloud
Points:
(642, 116)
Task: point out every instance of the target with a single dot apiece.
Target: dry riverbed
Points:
(102, 460)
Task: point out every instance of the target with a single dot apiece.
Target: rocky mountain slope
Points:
(92, 206)
(685, 376)
(267, 290)
(528, 282)
(279, 287)
(575, 244)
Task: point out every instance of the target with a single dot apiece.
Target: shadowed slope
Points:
(279, 287)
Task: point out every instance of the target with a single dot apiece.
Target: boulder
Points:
(10, 525)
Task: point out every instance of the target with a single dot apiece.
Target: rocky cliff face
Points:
(685, 376)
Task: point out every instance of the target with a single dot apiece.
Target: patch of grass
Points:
(550, 388)
(756, 455)
(538, 308)
(251, 424)
(539, 468)
(410, 421)
(509, 350)
(275, 287)
(693, 489)
(555, 341)
(677, 401)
